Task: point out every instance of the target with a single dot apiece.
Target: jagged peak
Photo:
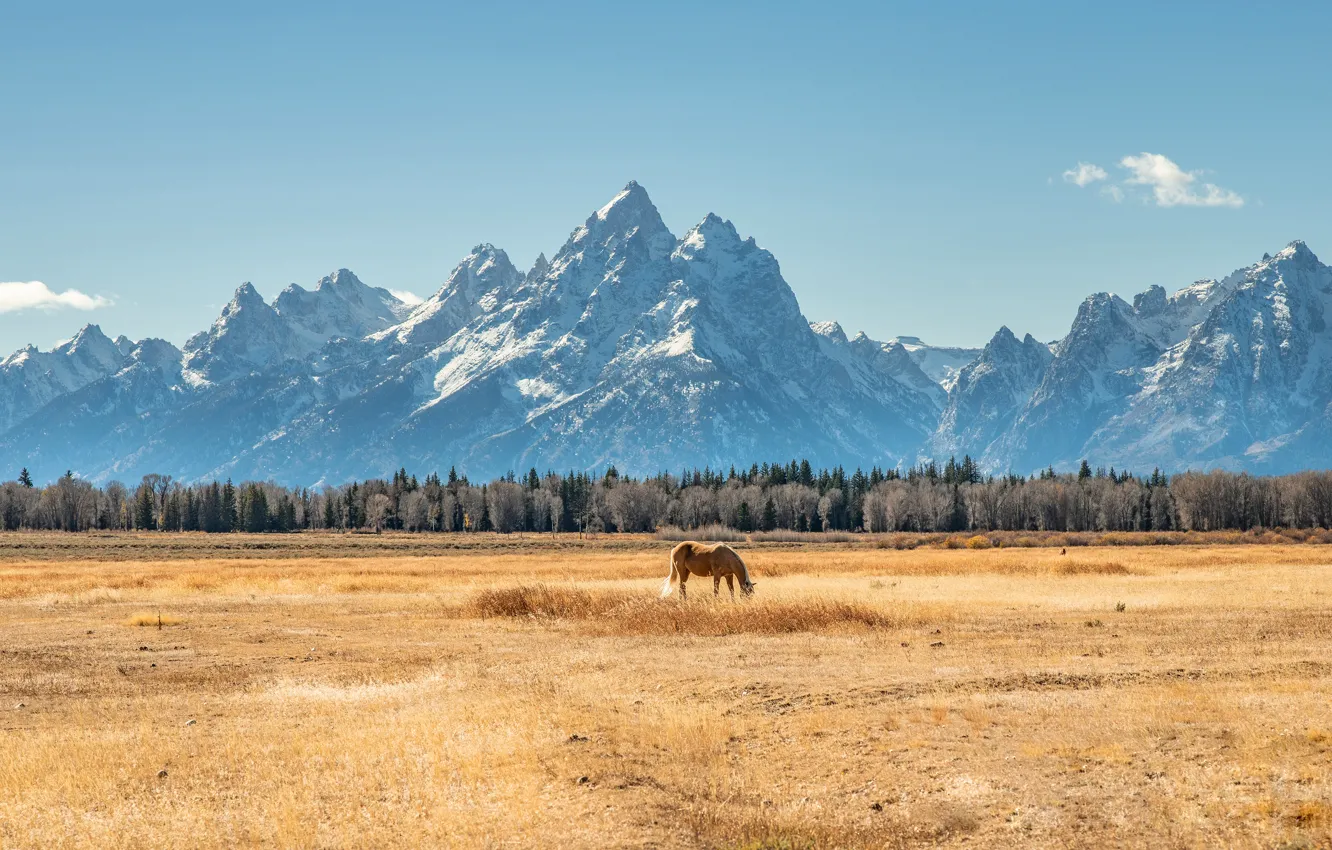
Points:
(540, 267)
(246, 295)
(830, 330)
(717, 230)
(631, 196)
(340, 280)
(89, 333)
(1296, 250)
(1150, 301)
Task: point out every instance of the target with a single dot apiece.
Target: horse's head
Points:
(747, 588)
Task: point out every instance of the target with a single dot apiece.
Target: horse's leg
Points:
(716, 584)
(730, 585)
(684, 577)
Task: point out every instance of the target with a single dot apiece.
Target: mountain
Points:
(31, 379)
(635, 347)
(1233, 373)
(1248, 386)
(941, 363)
(988, 395)
(629, 346)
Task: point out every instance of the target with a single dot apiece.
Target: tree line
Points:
(930, 497)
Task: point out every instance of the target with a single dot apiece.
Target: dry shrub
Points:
(786, 535)
(706, 533)
(609, 612)
(980, 541)
(542, 600)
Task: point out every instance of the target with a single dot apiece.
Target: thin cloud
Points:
(35, 295)
(409, 298)
(1085, 174)
(1172, 186)
(1114, 193)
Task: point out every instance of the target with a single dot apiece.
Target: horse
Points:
(707, 559)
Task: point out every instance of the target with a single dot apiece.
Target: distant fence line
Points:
(769, 498)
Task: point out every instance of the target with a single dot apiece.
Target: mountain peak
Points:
(540, 267)
(246, 295)
(631, 197)
(341, 280)
(1297, 250)
(830, 330)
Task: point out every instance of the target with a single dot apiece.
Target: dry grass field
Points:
(392, 691)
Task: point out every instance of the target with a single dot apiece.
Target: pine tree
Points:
(769, 515)
(743, 520)
(228, 518)
(1084, 471)
(24, 478)
(144, 515)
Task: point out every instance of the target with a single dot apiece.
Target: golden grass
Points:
(500, 696)
(630, 613)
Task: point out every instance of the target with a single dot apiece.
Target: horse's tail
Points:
(670, 577)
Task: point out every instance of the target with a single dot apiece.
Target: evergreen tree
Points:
(227, 519)
(1084, 471)
(743, 521)
(145, 517)
(770, 515)
(24, 478)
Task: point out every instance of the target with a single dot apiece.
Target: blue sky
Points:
(904, 162)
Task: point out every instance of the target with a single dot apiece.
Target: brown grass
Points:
(626, 613)
(542, 695)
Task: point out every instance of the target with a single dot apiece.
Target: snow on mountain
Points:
(479, 284)
(628, 346)
(252, 336)
(941, 363)
(989, 394)
(1253, 373)
(633, 347)
(881, 359)
(30, 378)
(340, 307)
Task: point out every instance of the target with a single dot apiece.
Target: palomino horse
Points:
(707, 559)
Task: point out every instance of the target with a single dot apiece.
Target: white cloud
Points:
(1114, 193)
(1172, 186)
(1085, 173)
(406, 297)
(34, 295)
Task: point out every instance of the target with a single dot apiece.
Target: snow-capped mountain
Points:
(988, 395)
(629, 346)
(941, 363)
(1249, 383)
(30, 379)
(1233, 373)
(635, 347)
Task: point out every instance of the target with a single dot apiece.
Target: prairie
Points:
(481, 691)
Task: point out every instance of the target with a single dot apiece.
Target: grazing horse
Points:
(707, 559)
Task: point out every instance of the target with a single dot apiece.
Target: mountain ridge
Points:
(634, 347)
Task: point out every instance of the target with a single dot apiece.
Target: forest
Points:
(930, 497)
